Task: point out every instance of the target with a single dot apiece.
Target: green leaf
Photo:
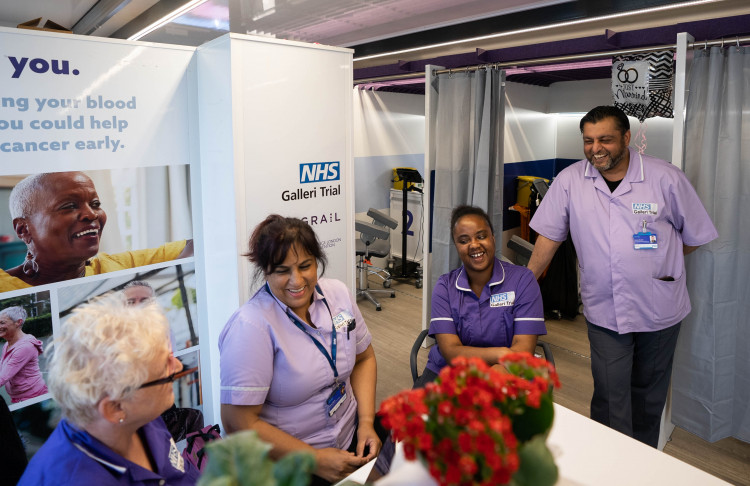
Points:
(534, 421)
(238, 460)
(294, 469)
(537, 466)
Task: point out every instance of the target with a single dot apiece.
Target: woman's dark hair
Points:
(275, 236)
(465, 210)
(601, 112)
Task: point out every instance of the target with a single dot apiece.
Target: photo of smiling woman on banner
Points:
(60, 217)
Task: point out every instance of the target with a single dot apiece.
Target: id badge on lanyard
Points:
(644, 239)
(338, 394)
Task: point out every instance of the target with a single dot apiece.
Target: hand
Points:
(368, 439)
(500, 369)
(335, 464)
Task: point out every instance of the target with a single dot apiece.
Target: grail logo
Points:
(40, 66)
(319, 172)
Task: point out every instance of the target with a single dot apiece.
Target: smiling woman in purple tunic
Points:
(296, 361)
(485, 308)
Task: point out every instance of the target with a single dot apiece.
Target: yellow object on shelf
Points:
(398, 183)
(523, 189)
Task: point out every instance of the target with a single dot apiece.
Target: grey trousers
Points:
(631, 379)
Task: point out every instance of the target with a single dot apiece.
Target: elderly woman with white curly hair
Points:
(111, 373)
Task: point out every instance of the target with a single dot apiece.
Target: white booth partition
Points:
(275, 125)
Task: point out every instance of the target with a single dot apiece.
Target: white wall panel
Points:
(579, 96)
(387, 123)
(267, 108)
(529, 130)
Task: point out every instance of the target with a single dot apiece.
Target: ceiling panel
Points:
(63, 12)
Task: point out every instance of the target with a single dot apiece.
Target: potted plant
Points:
(476, 425)
(241, 459)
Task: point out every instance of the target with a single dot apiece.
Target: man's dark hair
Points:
(275, 236)
(465, 210)
(601, 112)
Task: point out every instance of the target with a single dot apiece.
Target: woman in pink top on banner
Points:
(297, 365)
(19, 362)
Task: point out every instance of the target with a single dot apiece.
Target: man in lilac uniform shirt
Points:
(632, 218)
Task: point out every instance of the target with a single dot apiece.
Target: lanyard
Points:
(302, 327)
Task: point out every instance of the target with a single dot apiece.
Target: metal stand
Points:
(414, 271)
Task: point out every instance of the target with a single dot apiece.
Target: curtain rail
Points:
(558, 59)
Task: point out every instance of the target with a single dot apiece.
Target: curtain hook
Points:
(705, 46)
(450, 72)
(738, 42)
(722, 43)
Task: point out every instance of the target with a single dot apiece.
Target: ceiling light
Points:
(542, 27)
(167, 18)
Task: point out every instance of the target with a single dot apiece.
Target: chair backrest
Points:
(414, 352)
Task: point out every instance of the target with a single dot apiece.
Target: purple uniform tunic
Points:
(72, 456)
(624, 289)
(267, 360)
(510, 304)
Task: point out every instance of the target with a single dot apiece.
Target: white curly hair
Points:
(104, 350)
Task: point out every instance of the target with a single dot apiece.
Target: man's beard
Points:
(611, 164)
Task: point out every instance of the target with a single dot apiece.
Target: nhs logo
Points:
(645, 208)
(319, 172)
(505, 299)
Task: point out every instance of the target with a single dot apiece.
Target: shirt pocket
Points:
(670, 299)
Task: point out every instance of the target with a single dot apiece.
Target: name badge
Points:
(337, 397)
(645, 208)
(645, 241)
(342, 319)
(504, 299)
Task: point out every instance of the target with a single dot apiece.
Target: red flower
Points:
(410, 451)
(445, 408)
(464, 441)
(467, 465)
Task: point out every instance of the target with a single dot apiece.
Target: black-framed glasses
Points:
(168, 379)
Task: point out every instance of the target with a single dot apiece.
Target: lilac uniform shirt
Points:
(510, 304)
(621, 286)
(72, 456)
(19, 369)
(266, 359)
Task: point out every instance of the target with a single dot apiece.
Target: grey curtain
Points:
(468, 147)
(711, 380)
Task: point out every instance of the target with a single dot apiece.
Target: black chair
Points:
(546, 353)
(373, 242)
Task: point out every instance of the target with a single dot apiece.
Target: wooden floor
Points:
(397, 325)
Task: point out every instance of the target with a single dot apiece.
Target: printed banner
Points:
(94, 198)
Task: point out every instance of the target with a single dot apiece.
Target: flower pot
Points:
(405, 472)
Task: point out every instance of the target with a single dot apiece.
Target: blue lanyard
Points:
(303, 327)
